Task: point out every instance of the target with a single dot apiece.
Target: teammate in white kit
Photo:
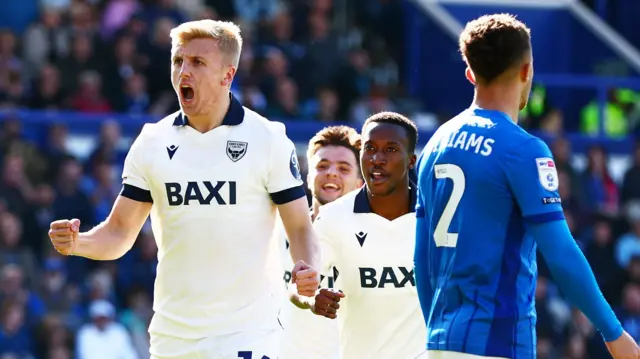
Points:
(334, 170)
(370, 235)
(211, 176)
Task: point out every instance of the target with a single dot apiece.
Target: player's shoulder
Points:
(341, 208)
(152, 130)
(512, 137)
(262, 126)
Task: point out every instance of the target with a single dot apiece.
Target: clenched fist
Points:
(326, 303)
(305, 278)
(63, 235)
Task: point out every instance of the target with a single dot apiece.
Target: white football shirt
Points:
(380, 317)
(213, 215)
(300, 325)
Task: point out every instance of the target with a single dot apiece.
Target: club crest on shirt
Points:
(236, 150)
(294, 166)
(547, 173)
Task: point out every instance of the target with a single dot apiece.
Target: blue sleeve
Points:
(570, 269)
(421, 256)
(533, 180)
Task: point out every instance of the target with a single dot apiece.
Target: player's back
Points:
(472, 254)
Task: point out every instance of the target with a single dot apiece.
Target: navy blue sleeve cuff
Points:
(544, 217)
(136, 194)
(288, 195)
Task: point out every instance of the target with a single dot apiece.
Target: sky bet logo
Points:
(203, 193)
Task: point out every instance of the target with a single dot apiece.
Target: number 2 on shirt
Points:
(441, 235)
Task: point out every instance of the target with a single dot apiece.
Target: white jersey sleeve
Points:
(134, 178)
(284, 181)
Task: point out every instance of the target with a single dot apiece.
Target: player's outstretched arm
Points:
(533, 179)
(110, 239)
(572, 272)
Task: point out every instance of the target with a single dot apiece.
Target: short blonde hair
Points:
(226, 33)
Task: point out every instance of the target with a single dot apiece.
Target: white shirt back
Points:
(213, 216)
(380, 317)
(300, 325)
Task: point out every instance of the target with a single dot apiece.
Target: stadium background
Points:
(78, 78)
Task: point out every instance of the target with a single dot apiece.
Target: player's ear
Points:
(228, 76)
(470, 76)
(412, 161)
(360, 182)
(526, 72)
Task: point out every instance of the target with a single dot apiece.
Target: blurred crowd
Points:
(113, 55)
(53, 306)
(604, 217)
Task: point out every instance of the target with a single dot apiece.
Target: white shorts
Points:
(245, 345)
(439, 354)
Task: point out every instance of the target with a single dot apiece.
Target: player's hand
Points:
(305, 278)
(326, 303)
(63, 235)
(624, 347)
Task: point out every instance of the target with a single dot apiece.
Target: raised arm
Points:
(116, 235)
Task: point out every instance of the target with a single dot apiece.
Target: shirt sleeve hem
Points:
(136, 193)
(288, 195)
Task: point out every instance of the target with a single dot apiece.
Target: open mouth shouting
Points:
(187, 94)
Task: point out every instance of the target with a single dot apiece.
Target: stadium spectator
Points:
(598, 185)
(102, 337)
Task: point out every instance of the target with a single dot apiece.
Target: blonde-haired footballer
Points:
(334, 170)
(212, 176)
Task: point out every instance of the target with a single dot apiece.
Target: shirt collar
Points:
(234, 116)
(362, 205)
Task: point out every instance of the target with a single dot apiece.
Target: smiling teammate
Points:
(369, 236)
(211, 175)
(334, 170)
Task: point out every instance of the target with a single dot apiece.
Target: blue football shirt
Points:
(481, 179)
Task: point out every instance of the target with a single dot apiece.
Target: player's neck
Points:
(393, 205)
(498, 98)
(212, 119)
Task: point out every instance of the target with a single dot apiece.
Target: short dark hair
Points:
(343, 136)
(397, 119)
(492, 44)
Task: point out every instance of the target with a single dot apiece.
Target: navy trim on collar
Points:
(234, 116)
(362, 205)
